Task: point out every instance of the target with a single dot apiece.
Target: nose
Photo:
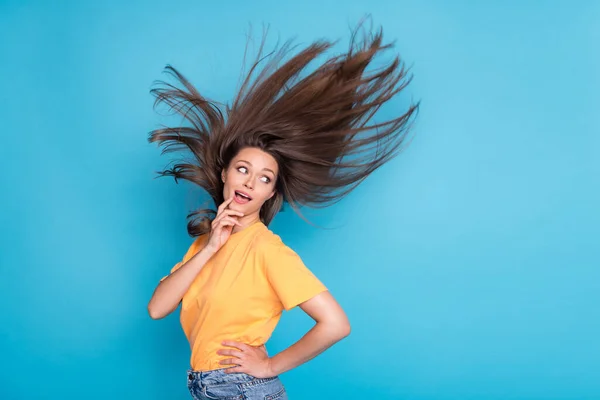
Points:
(248, 183)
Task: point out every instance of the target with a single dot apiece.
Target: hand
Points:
(222, 226)
(251, 360)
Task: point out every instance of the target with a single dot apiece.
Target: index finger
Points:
(233, 343)
(224, 205)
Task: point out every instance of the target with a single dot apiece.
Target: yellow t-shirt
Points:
(241, 292)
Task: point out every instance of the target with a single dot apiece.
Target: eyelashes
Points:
(267, 179)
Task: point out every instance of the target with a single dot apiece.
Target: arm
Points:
(170, 291)
(331, 326)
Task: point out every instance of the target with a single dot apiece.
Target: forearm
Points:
(170, 291)
(322, 336)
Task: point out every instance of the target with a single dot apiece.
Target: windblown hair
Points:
(316, 127)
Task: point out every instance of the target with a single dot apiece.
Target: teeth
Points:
(241, 195)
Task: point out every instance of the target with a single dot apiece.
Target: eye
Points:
(242, 169)
(266, 179)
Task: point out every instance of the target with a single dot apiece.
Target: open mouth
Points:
(241, 197)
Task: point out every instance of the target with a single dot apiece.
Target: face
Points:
(250, 178)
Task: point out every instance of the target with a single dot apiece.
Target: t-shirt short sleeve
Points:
(194, 248)
(293, 282)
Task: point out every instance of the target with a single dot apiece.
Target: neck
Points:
(246, 221)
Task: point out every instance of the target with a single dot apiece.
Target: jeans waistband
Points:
(219, 376)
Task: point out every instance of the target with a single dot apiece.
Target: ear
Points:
(223, 175)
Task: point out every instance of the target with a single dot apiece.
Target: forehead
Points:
(258, 158)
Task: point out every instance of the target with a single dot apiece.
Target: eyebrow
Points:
(264, 169)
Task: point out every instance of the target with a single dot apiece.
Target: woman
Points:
(305, 141)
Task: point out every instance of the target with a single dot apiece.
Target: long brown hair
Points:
(316, 127)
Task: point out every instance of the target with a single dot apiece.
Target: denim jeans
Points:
(213, 385)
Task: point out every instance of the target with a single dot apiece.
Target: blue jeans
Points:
(213, 385)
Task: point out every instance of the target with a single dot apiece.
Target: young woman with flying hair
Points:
(305, 141)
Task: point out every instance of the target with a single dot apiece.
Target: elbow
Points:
(339, 330)
(343, 326)
(153, 312)
(344, 330)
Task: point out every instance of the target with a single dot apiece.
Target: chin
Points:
(239, 207)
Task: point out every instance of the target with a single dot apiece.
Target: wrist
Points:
(209, 251)
(272, 369)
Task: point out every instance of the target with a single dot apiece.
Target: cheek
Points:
(266, 194)
(228, 186)
(232, 179)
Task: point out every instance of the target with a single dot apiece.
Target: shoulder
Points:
(267, 243)
(267, 240)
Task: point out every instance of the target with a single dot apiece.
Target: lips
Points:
(242, 196)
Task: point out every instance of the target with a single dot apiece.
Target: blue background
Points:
(469, 265)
